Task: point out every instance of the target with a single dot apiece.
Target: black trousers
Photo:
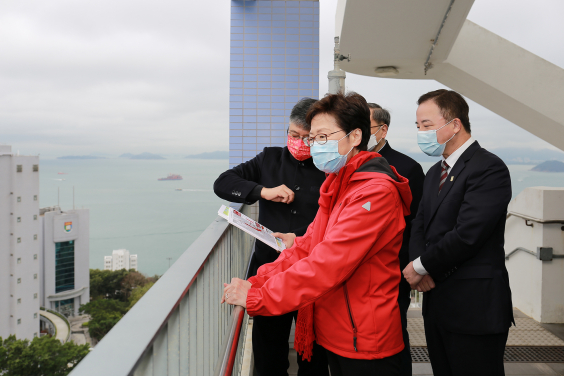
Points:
(270, 348)
(404, 300)
(455, 354)
(341, 366)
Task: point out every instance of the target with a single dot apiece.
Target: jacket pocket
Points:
(351, 317)
(474, 271)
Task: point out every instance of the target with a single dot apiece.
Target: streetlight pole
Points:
(169, 258)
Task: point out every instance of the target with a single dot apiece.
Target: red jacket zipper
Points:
(350, 315)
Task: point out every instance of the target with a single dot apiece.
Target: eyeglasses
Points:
(321, 139)
(295, 135)
(376, 126)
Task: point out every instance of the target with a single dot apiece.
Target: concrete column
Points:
(537, 220)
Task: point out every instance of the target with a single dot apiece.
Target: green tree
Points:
(107, 284)
(104, 313)
(138, 294)
(132, 281)
(44, 356)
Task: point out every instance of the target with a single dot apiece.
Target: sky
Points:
(110, 77)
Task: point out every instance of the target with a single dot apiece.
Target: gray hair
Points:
(379, 114)
(299, 112)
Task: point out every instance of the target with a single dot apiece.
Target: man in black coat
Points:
(407, 167)
(457, 243)
(286, 183)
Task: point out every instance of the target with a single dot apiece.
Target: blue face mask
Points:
(326, 157)
(428, 143)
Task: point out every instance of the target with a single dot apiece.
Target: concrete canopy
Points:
(394, 39)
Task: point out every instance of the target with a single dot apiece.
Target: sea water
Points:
(131, 209)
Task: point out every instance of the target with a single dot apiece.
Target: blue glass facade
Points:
(274, 63)
(64, 266)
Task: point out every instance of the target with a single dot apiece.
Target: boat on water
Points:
(171, 177)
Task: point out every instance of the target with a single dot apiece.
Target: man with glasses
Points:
(410, 169)
(286, 183)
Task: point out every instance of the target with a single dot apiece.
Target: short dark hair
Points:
(299, 112)
(350, 110)
(379, 114)
(451, 104)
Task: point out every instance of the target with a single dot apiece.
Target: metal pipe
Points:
(538, 220)
(224, 366)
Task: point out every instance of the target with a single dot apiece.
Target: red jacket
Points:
(352, 275)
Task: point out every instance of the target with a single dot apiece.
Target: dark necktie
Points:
(444, 174)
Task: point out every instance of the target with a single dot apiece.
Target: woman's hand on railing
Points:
(288, 238)
(235, 293)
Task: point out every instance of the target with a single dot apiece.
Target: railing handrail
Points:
(542, 253)
(224, 366)
(152, 311)
(533, 219)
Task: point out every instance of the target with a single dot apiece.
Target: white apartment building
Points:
(20, 245)
(120, 259)
(64, 260)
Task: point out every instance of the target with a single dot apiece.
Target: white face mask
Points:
(372, 140)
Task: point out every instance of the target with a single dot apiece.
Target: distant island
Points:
(210, 155)
(141, 156)
(80, 157)
(549, 166)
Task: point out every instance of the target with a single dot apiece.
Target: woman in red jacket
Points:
(343, 274)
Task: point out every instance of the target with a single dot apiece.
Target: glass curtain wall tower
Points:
(274, 63)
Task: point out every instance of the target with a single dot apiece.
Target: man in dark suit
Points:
(286, 183)
(407, 167)
(457, 243)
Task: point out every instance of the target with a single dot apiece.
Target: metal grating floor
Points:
(527, 333)
(513, 354)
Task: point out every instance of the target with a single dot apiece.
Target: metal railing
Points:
(542, 253)
(179, 325)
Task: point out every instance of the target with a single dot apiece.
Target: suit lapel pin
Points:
(452, 178)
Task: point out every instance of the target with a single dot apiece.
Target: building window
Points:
(19, 321)
(35, 256)
(64, 266)
(19, 280)
(19, 199)
(20, 301)
(19, 219)
(35, 296)
(35, 276)
(19, 260)
(35, 167)
(35, 198)
(35, 217)
(35, 237)
(19, 240)
(35, 315)
(19, 168)
(65, 307)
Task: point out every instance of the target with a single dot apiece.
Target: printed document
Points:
(251, 227)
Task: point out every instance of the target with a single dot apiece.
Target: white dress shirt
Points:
(451, 161)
